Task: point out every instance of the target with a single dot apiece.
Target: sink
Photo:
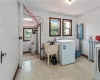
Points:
(63, 40)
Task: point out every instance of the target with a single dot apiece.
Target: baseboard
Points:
(26, 52)
(85, 56)
(42, 58)
(16, 72)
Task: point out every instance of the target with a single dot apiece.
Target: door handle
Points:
(3, 55)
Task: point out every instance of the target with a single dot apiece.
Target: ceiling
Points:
(77, 7)
(29, 23)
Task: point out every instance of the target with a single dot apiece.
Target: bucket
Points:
(77, 54)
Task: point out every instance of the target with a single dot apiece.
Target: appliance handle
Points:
(97, 54)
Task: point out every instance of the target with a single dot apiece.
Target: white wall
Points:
(91, 21)
(9, 38)
(26, 43)
(45, 32)
(26, 46)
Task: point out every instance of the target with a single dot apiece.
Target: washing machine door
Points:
(97, 63)
(99, 60)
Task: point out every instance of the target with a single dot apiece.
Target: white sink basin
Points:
(63, 40)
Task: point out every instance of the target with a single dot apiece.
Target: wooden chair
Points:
(50, 50)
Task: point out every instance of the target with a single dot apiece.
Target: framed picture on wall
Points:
(27, 34)
(80, 31)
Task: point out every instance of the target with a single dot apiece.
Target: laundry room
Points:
(50, 39)
(68, 40)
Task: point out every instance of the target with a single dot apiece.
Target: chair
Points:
(50, 50)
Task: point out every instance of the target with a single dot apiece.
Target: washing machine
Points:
(66, 51)
(97, 62)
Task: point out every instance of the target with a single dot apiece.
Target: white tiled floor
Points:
(38, 70)
(29, 56)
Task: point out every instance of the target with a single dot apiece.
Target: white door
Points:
(9, 42)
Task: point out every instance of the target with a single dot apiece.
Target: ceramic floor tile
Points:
(35, 69)
(29, 56)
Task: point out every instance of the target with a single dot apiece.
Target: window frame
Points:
(69, 20)
(24, 34)
(50, 18)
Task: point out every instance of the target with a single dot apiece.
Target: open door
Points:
(9, 42)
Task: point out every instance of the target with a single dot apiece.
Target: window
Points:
(27, 34)
(54, 26)
(66, 27)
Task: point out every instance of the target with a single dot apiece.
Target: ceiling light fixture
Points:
(69, 2)
(28, 19)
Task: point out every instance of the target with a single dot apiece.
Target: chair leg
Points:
(48, 60)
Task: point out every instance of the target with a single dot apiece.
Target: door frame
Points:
(20, 32)
(40, 41)
(39, 54)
